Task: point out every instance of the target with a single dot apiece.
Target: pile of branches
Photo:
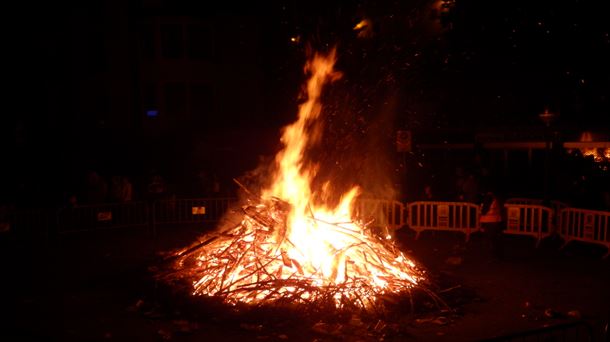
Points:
(249, 263)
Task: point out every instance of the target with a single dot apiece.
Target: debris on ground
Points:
(185, 327)
(550, 313)
(355, 321)
(326, 328)
(165, 335)
(440, 320)
(454, 260)
(137, 306)
(251, 327)
(574, 314)
(154, 313)
(450, 289)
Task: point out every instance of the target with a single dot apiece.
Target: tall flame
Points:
(293, 179)
(315, 245)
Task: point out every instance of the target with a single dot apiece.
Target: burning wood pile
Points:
(289, 248)
(258, 262)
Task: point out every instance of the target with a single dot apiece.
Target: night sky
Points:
(501, 61)
(483, 63)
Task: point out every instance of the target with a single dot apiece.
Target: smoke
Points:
(357, 143)
(377, 177)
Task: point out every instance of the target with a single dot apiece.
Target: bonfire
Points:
(290, 247)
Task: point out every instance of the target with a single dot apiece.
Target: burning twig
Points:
(245, 266)
(245, 189)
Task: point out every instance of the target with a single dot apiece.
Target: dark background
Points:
(223, 78)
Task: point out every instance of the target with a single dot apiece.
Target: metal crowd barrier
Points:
(189, 210)
(522, 219)
(388, 215)
(37, 223)
(529, 219)
(556, 206)
(445, 216)
(522, 200)
(102, 216)
(590, 226)
(45, 222)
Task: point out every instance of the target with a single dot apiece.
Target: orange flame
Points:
(315, 245)
(598, 155)
(292, 181)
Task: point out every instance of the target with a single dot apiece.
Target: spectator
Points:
(428, 194)
(204, 183)
(156, 186)
(121, 189)
(491, 224)
(470, 189)
(96, 188)
(73, 201)
(459, 183)
(215, 186)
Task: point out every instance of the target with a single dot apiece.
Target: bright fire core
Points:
(289, 248)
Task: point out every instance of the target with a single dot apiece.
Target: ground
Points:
(97, 287)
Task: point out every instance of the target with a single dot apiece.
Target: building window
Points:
(201, 101)
(199, 41)
(172, 43)
(175, 99)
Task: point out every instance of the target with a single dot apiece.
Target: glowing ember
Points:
(289, 247)
(598, 154)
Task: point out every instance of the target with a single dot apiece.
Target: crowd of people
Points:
(92, 187)
(97, 189)
(579, 182)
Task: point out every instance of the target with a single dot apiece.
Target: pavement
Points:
(97, 286)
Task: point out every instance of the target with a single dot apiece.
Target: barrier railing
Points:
(523, 200)
(103, 216)
(529, 219)
(189, 210)
(590, 226)
(38, 223)
(522, 219)
(556, 206)
(388, 215)
(445, 216)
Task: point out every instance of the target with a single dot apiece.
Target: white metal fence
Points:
(444, 216)
(190, 210)
(556, 206)
(387, 215)
(45, 222)
(523, 217)
(529, 219)
(103, 216)
(31, 222)
(584, 225)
